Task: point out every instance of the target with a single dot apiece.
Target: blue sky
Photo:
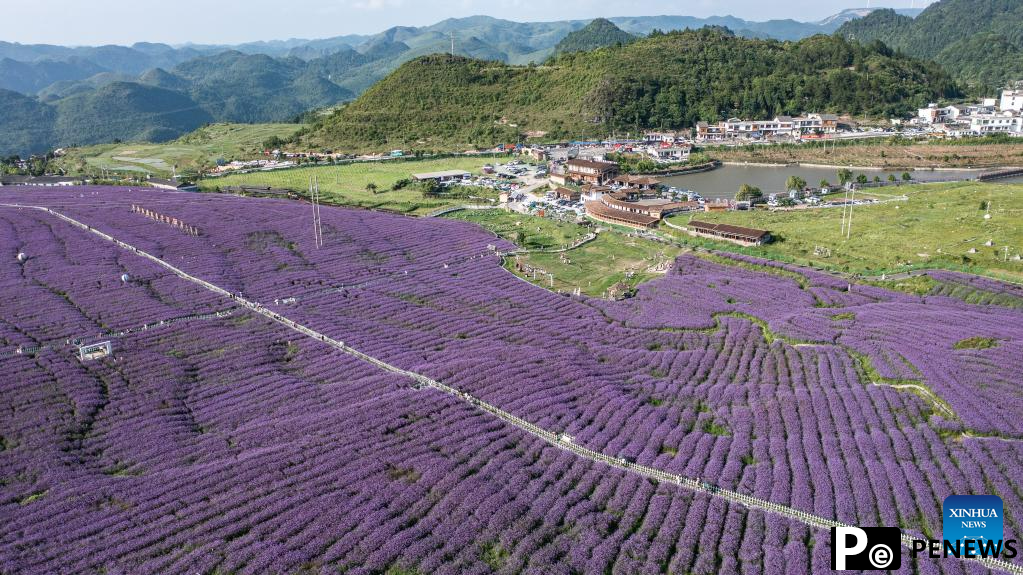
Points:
(80, 22)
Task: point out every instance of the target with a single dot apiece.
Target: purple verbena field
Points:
(217, 441)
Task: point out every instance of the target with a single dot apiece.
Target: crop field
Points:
(346, 184)
(200, 148)
(942, 225)
(397, 402)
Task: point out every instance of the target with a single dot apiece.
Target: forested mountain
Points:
(662, 81)
(237, 87)
(163, 104)
(370, 56)
(597, 34)
(31, 77)
(26, 124)
(279, 80)
(117, 111)
(979, 41)
(126, 111)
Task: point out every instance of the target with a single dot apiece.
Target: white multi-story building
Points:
(674, 153)
(1012, 100)
(935, 114)
(780, 126)
(1002, 122)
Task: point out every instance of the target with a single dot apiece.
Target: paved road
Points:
(550, 437)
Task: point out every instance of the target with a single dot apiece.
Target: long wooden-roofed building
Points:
(600, 211)
(638, 182)
(729, 232)
(627, 207)
(569, 194)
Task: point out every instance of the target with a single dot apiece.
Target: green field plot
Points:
(529, 232)
(370, 184)
(940, 225)
(201, 148)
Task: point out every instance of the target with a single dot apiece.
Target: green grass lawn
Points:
(530, 232)
(598, 265)
(942, 225)
(593, 267)
(345, 184)
(201, 147)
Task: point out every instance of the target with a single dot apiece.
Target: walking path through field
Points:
(558, 440)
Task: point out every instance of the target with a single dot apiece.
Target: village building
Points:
(39, 181)
(593, 191)
(443, 176)
(558, 179)
(628, 207)
(172, 184)
(671, 137)
(706, 131)
(1001, 122)
(670, 153)
(717, 206)
(644, 183)
(536, 154)
(780, 126)
(591, 171)
(569, 194)
(1012, 100)
(989, 116)
(934, 114)
(735, 234)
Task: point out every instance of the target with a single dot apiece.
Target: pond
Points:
(725, 181)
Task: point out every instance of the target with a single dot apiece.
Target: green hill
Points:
(30, 77)
(126, 111)
(24, 122)
(979, 41)
(237, 87)
(117, 111)
(663, 81)
(597, 34)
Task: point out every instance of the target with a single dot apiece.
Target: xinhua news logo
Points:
(866, 548)
(972, 527)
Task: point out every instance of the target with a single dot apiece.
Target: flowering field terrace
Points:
(221, 441)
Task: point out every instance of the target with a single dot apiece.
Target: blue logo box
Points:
(973, 517)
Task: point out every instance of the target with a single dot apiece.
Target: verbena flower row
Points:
(232, 444)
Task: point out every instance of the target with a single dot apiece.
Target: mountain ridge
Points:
(979, 41)
(442, 101)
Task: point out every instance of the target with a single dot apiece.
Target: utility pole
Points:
(452, 43)
(314, 196)
(848, 227)
(319, 218)
(845, 206)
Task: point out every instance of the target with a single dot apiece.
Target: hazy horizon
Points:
(74, 23)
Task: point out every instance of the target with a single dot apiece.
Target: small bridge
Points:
(1000, 174)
